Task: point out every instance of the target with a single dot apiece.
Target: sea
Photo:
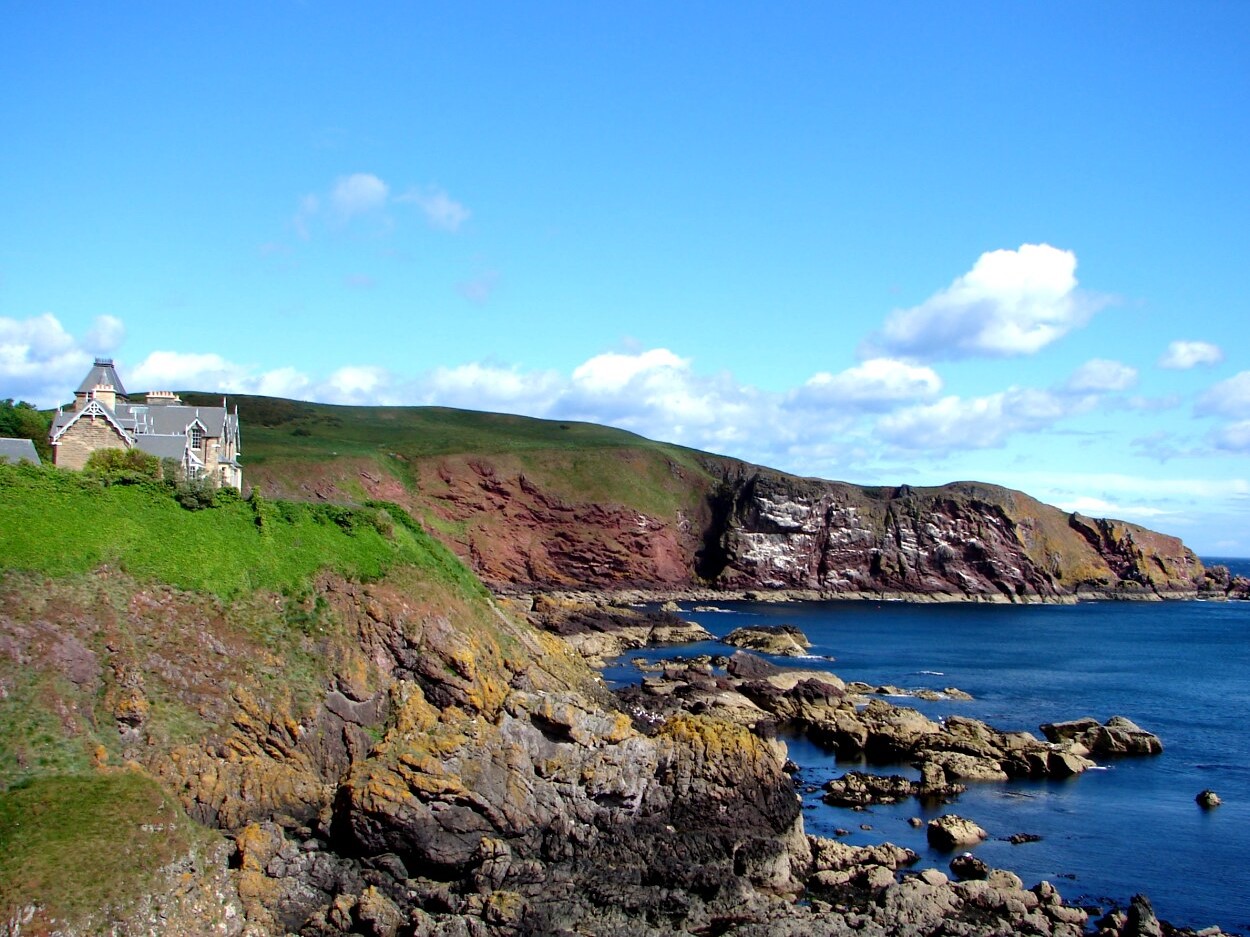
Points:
(1180, 669)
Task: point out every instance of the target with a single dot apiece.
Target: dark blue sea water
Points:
(1179, 669)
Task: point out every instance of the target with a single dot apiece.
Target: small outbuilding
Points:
(18, 450)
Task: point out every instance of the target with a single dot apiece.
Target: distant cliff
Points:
(536, 504)
(965, 539)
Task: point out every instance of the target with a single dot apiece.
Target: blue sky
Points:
(880, 243)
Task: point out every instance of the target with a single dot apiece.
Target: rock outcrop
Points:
(778, 640)
(1118, 736)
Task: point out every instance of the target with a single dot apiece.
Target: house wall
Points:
(84, 437)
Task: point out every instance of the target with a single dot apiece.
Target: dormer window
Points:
(196, 436)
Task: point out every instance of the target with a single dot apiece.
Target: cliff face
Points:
(743, 528)
(406, 754)
(961, 540)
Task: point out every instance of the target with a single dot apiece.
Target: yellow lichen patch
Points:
(620, 730)
(714, 739)
(503, 908)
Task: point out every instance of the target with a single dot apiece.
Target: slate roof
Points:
(163, 447)
(102, 372)
(162, 419)
(167, 419)
(15, 450)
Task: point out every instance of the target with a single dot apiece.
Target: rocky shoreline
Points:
(869, 889)
(459, 771)
(1238, 589)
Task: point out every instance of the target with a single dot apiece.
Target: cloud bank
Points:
(1012, 302)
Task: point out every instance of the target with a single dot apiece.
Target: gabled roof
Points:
(102, 372)
(15, 450)
(64, 421)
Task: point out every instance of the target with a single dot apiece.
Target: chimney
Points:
(162, 398)
(105, 394)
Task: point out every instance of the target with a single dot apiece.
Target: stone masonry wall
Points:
(82, 439)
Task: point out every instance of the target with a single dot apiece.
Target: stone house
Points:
(203, 440)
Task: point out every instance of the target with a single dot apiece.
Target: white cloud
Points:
(1098, 507)
(170, 370)
(874, 385)
(440, 209)
(309, 206)
(105, 335)
(1009, 303)
(42, 363)
(359, 384)
(1100, 375)
(358, 193)
(609, 373)
(1230, 398)
(956, 423)
(1181, 355)
(1065, 485)
(1234, 437)
(488, 387)
(280, 382)
(363, 194)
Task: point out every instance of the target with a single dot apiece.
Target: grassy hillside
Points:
(285, 441)
(57, 523)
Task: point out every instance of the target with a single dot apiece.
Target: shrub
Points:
(123, 466)
(196, 493)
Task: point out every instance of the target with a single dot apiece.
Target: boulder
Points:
(1141, 920)
(1063, 764)
(966, 867)
(1070, 730)
(963, 767)
(1207, 799)
(747, 666)
(951, 831)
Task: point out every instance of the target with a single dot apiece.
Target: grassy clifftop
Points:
(58, 523)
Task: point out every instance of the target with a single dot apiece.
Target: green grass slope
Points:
(285, 441)
(57, 522)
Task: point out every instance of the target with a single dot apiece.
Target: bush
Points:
(123, 466)
(196, 493)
